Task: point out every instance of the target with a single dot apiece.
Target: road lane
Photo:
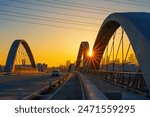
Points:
(28, 83)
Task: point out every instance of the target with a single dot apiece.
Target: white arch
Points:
(10, 63)
(137, 27)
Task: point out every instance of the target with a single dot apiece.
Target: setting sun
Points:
(90, 53)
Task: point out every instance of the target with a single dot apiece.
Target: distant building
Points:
(71, 67)
(39, 67)
(63, 68)
(42, 67)
(67, 63)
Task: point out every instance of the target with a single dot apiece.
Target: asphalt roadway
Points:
(9, 84)
(70, 91)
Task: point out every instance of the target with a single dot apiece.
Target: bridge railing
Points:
(130, 80)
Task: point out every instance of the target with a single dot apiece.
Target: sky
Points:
(54, 29)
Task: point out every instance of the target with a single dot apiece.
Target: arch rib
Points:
(136, 26)
(83, 50)
(10, 63)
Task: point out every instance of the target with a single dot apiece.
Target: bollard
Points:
(19, 94)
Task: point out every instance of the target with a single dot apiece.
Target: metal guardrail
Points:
(133, 81)
(59, 88)
(37, 95)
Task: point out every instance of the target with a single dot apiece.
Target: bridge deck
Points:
(107, 87)
(32, 83)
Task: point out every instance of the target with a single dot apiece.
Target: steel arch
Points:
(10, 63)
(136, 26)
(83, 50)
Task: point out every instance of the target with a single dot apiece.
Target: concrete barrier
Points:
(91, 91)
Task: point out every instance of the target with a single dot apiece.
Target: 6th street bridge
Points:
(118, 68)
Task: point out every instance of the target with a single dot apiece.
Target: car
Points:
(55, 72)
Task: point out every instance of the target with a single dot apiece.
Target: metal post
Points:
(122, 50)
(118, 51)
(122, 76)
(107, 57)
(128, 81)
(113, 51)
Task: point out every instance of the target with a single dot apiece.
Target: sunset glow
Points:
(53, 33)
(90, 53)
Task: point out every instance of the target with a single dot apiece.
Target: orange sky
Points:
(54, 42)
